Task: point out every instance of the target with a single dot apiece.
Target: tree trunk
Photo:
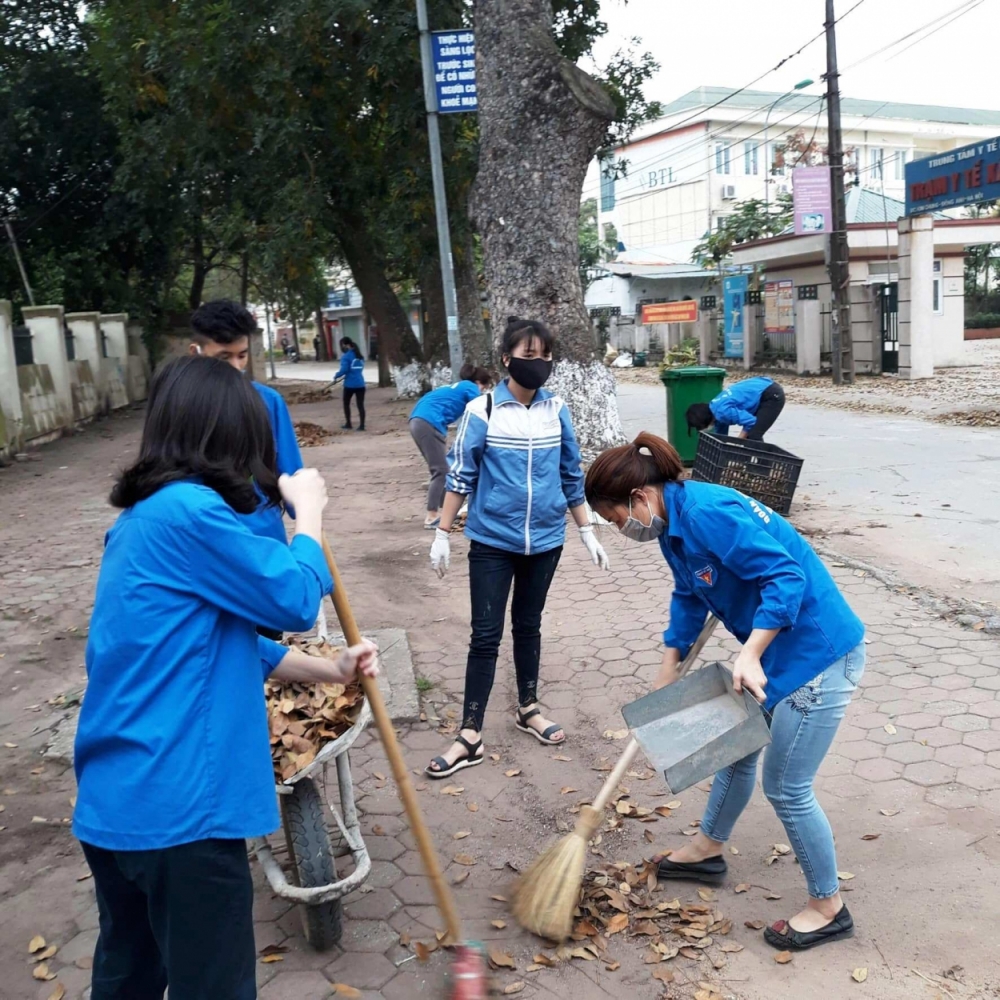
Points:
(397, 344)
(320, 334)
(541, 121)
(477, 348)
(435, 316)
(199, 272)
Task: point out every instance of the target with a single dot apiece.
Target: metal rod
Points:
(20, 263)
(440, 195)
(840, 311)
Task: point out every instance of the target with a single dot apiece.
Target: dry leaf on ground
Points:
(36, 944)
(782, 849)
(706, 895)
(461, 834)
(859, 975)
(452, 790)
(464, 859)
(845, 876)
(754, 925)
(46, 954)
(674, 804)
(566, 789)
(743, 887)
(890, 728)
(512, 988)
(459, 879)
(343, 990)
(513, 772)
(616, 924)
(562, 757)
(499, 924)
(500, 959)
(310, 435)
(783, 957)
(871, 836)
(58, 993)
(663, 974)
(42, 972)
(890, 812)
(423, 951)
(731, 947)
(271, 959)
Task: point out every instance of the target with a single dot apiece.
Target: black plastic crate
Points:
(760, 470)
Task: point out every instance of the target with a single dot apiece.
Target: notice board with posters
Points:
(958, 177)
(812, 201)
(779, 306)
(454, 57)
(734, 295)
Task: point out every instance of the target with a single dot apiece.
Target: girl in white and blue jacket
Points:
(516, 460)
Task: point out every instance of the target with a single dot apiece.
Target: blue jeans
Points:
(803, 726)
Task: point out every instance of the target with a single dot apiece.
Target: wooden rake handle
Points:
(387, 733)
(630, 751)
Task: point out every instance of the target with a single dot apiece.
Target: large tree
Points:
(542, 120)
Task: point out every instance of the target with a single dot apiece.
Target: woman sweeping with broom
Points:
(802, 658)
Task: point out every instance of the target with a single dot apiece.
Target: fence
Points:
(23, 352)
(770, 346)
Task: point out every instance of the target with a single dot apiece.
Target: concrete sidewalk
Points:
(916, 765)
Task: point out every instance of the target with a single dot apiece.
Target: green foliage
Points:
(595, 248)
(748, 222)
(982, 321)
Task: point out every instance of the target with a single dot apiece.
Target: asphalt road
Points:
(915, 497)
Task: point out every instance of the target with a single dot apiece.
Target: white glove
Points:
(441, 552)
(594, 547)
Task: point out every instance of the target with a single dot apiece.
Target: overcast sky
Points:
(729, 42)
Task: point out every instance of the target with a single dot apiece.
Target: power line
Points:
(961, 13)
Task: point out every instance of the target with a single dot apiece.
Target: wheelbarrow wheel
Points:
(312, 859)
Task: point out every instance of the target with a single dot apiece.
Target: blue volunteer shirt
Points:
(736, 558)
(172, 744)
(442, 407)
(738, 404)
(266, 521)
(352, 368)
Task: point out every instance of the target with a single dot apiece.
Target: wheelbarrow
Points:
(313, 853)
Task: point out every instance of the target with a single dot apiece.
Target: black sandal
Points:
(711, 871)
(784, 937)
(521, 721)
(471, 759)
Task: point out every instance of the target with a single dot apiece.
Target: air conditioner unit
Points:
(729, 192)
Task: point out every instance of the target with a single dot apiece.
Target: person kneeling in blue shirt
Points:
(803, 656)
(753, 404)
(430, 419)
(173, 756)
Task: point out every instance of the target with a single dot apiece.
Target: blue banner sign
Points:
(958, 177)
(454, 54)
(734, 296)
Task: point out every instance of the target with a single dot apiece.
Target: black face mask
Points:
(531, 374)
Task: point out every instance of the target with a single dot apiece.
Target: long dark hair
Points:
(204, 419)
(350, 346)
(618, 472)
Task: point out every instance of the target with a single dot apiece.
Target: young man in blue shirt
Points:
(753, 403)
(221, 329)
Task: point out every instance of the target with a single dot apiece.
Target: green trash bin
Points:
(697, 384)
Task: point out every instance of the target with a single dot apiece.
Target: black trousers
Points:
(359, 395)
(491, 572)
(180, 917)
(772, 402)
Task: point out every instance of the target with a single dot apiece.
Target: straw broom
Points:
(547, 894)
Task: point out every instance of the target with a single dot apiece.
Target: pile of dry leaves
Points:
(305, 717)
(618, 898)
(307, 395)
(309, 435)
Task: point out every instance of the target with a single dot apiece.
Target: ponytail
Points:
(618, 472)
(467, 372)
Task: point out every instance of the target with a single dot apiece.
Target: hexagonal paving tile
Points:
(918, 720)
(965, 723)
(378, 905)
(959, 756)
(296, 986)
(987, 709)
(909, 752)
(987, 739)
(374, 936)
(860, 750)
(981, 776)
(365, 971)
(953, 796)
(929, 772)
(878, 770)
(937, 737)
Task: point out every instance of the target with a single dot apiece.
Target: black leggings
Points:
(491, 572)
(772, 402)
(358, 394)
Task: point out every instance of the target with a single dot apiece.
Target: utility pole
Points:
(840, 307)
(440, 196)
(20, 263)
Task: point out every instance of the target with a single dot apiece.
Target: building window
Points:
(876, 156)
(899, 164)
(750, 158)
(607, 186)
(721, 158)
(937, 293)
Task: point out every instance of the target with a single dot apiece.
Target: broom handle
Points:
(628, 754)
(445, 901)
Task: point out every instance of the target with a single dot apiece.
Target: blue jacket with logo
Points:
(173, 742)
(442, 407)
(736, 558)
(523, 471)
(353, 368)
(266, 521)
(738, 404)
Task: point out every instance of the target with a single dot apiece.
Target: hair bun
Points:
(511, 320)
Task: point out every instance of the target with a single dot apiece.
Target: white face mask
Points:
(635, 530)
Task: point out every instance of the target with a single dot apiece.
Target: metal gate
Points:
(23, 352)
(888, 300)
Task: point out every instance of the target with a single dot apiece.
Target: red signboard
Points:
(671, 312)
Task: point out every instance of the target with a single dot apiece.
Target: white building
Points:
(714, 147)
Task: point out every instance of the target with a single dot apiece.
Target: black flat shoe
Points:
(785, 938)
(711, 871)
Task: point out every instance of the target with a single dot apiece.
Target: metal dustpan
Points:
(697, 726)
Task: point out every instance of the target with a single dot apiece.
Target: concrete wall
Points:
(948, 327)
(48, 344)
(136, 383)
(83, 385)
(86, 330)
(44, 414)
(11, 419)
